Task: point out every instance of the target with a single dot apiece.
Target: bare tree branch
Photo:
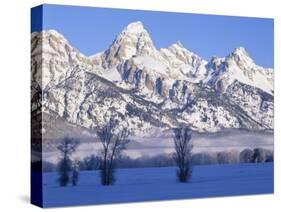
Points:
(182, 155)
(113, 139)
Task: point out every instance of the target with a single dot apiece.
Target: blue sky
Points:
(92, 30)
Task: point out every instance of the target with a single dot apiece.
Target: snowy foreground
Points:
(147, 184)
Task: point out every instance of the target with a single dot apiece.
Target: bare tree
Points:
(182, 156)
(259, 155)
(66, 148)
(246, 156)
(227, 157)
(75, 173)
(91, 162)
(113, 140)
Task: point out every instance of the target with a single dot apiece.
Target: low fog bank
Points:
(149, 147)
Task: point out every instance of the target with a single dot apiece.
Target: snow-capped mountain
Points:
(239, 66)
(148, 89)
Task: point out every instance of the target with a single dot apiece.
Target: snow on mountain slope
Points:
(190, 65)
(133, 40)
(53, 52)
(239, 66)
(150, 90)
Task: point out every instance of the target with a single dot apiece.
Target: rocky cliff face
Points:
(149, 90)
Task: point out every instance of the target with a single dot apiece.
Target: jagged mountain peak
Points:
(134, 40)
(240, 55)
(178, 44)
(58, 58)
(134, 31)
(178, 47)
(135, 28)
(182, 54)
(239, 66)
(54, 41)
(54, 32)
(241, 51)
(55, 36)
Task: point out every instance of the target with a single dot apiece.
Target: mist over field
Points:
(229, 140)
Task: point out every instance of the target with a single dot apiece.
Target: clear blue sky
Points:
(92, 30)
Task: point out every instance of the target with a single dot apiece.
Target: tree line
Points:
(114, 138)
(92, 162)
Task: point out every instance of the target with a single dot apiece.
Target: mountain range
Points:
(148, 90)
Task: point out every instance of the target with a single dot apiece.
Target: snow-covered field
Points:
(147, 184)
